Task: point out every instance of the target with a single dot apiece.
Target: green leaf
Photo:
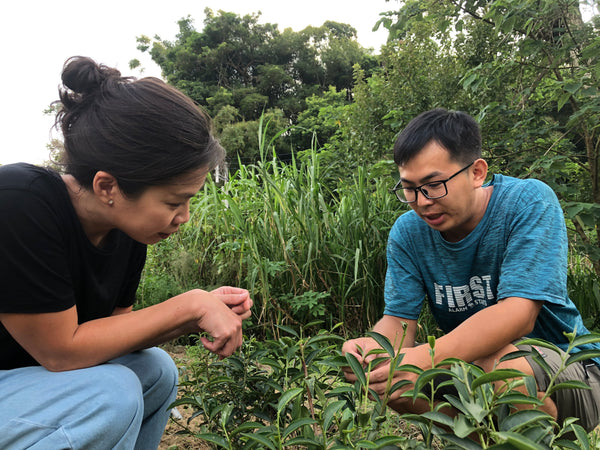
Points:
(356, 368)
(582, 356)
(261, 440)
(288, 330)
(314, 323)
(564, 98)
(270, 362)
(383, 342)
(591, 338)
(572, 86)
(468, 81)
(582, 436)
(429, 375)
(287, 397)
(572, 384)
(539, 343)
(563, 443)
(519, 398)
(399, 384)
(496, 375)
(410, 368)
(339, 390)
(476, 410)
(431, 342)
(462, 426)
(330, 412)
(519, 419)
(366, 444)
(323, 337)
(515, 355)
(463, 443)
(389, 440)
(245, 427)
(456, 404)
(520, 442)
(302, 440)
(298, 423)
(438, 417)
(214, 439)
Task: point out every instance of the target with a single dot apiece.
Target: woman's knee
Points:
(117, 388)
(153, 367)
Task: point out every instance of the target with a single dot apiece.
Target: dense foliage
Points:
(286, 392)
(238, 69)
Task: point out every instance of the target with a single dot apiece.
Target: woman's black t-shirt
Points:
(47, 263)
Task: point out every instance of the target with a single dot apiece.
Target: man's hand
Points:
(378, 376)
(360, 348)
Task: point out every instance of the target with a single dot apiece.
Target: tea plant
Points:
(282, 393)
(287, 393)
(484, 403)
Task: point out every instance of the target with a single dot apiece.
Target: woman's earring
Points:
(111, 202)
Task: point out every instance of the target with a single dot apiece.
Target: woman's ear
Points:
(480, 170)
(105, 187)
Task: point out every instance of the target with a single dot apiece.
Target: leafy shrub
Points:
(287, 393)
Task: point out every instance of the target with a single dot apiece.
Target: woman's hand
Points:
(237, 299)
(220, 321)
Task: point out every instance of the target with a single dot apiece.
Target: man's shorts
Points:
(581, 403)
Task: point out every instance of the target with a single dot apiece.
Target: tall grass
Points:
(305, 247)
(584, 289)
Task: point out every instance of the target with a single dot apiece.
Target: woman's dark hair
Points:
(143, 132)
(455, 131)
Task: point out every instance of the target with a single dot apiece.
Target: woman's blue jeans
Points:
(123, 404)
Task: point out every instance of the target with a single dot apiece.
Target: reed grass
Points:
(305, 247)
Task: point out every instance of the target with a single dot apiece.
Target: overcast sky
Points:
(38, 36)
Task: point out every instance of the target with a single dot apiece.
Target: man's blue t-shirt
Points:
(519, 249)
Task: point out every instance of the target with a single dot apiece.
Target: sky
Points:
(39, 36)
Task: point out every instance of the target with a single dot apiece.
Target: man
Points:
(490, 258)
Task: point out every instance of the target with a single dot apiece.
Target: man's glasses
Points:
(432, 191)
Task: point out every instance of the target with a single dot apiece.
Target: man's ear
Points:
(480, 170)
(105, 187)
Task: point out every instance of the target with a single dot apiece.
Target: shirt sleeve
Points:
(404, 288)
(33, 267)
(535, 261)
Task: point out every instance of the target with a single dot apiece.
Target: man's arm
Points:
(483, 339)
(394, 328)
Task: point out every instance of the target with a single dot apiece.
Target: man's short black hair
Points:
(455, 131)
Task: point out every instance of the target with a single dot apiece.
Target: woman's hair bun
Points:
(83, 75)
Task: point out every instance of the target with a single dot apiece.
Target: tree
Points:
(253, 67)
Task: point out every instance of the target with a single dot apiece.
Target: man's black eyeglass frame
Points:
(398, 189)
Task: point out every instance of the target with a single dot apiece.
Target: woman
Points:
(77, 365)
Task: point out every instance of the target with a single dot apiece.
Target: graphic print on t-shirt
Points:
(477, 293)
